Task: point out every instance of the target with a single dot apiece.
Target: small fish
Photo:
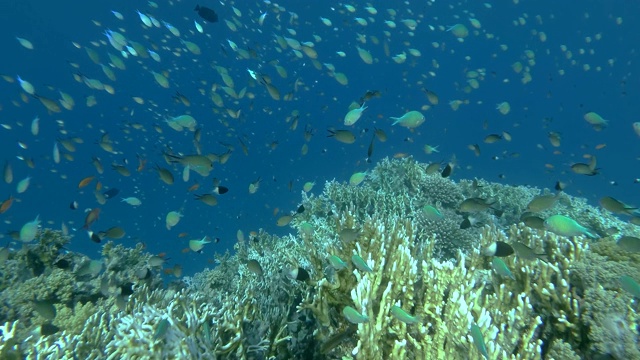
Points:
(254, 266)
(197, 245)
(284, 220)
(542, 202)
(343, 136)
(348, 236)
(492, 138)
(357, 178)
(115, 232)
(172, 219)
(629, 243)
(299, 274)
(360, 264)
(446, 172)
(616, 206)
(111, 193)
(501, 268)
(380, 135)
(370, 149)
(220, 190)
(208, 199)
(630, 285)
(474, 205)
(566, 226)
(431, 213)
(48, 329)
(45, 308)
(6, 204)
(161, 329)
(533, 221)
(86, 181)
(586, 169)
(337, 263)
(410, 120)
(403, 316)
(133, 201)
(499, 249)
(95, 237)
(354, 115)
(207, 13)
(353, 316)
(29, 230)
(596, 120)
(478, 340)
(431, 96)
(527, 253)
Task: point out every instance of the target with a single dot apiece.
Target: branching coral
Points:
(417, 286)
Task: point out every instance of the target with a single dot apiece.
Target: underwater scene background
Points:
(319, 180)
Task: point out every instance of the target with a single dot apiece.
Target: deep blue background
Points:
(551, 102)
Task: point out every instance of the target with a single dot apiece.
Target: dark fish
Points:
(370, 149)
(62, 264)
(206, 13)
(447, 171)
(95, 237)
(299, 274)
(220, 190)
(499, 249)
(111, 193)
(300, 209)
(48, 329)
(126, 289)
(370, 94)
(465, 224)
(73, 205)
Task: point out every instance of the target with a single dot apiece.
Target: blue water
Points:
(550, 102)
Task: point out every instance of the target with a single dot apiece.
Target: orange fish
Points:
(141, 164)
(92, 216)
(6, 204)
(183, 234)
(86, 181)
(193, 187)
(98, 186)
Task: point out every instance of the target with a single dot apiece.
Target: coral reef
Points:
(366, 275)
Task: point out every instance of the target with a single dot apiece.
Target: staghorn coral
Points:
(567, 306)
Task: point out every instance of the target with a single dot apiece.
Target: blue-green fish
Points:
(353, 316)
(630, 285)
(501, 268)
(566, 226)
(478, 340)
(161, 329)
(337, 263)
(403, 316)
(360, 264)
(410, 120)
(431, 213)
